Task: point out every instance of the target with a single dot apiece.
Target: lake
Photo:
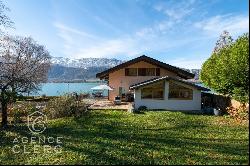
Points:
(57, 89)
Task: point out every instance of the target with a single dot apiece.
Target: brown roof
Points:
(180, 72)
(144, 83)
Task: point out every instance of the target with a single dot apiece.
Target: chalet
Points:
(153, 84)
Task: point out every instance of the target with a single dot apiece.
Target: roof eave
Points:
(167, 78)
(180, 72)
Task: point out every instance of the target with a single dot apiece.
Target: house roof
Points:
(180, 72)
(148, 82)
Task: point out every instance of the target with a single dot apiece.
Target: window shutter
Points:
(158, 72)
(141, 71)
(126, 71)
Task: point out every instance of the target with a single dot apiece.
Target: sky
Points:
(178, 32)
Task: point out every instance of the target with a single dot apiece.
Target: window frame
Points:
(157, 71)
(127, 72)
(153, 90)
(143, 71)
(180, 90)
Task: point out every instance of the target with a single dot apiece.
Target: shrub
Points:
(240, 114)
(83, 96)
(227, 70)
(142, 108)
(64, 106)
(20, 111)
(208, 111)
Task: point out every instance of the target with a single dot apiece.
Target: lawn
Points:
(116, 137)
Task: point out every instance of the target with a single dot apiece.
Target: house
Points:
(153, 84)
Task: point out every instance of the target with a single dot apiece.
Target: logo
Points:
(37, 122)
(41, 144)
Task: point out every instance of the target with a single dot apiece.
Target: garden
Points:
(119, 137)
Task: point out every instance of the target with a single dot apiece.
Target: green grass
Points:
(116, 137)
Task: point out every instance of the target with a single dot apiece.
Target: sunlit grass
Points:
(117, 137)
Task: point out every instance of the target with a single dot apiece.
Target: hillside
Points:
(85, 62)
(74, 70)
(59, 73)
(78, 70)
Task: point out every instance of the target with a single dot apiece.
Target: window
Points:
(146, 72)
(179, 92)
(120, 91)
(154, 91)
(150, 71)
(146, 93)
(142, 72)
(158, 94)
(158, 72)
(131, 72)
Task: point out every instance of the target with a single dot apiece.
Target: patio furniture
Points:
(98, 90)
(117, 100)
(129, 97)
(123, 97)
(97, 94)
(102, 87)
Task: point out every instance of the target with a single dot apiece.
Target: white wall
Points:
(181, 105)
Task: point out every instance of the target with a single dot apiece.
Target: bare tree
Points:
(24, 64)
(224, 41)
(5, 21)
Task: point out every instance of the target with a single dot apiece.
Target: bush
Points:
(227, 70)
(20, 111)
(240, 114)
(64, 106)
(208, 111)
(142, 108)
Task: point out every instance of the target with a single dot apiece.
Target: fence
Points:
(219, 101)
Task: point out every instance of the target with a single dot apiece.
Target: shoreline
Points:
(76, 81)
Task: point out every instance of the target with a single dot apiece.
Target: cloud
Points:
(176, 10)
(160, 37)
(145, 32)
(65, 28)
(187, 63)
(156, 30)
(175, 13)
(81, 44)
(235, 24)
(126, 47)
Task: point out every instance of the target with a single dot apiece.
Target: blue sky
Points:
(181, 33)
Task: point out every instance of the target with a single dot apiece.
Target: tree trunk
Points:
(4, 104)
(4, 114)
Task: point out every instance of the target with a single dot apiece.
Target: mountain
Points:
(78, 70)
(58, 73)
(196, 72)
(66, 69)
(85, 62)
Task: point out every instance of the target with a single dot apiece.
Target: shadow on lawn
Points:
(105, 139)
(7, 140)
(139, 144)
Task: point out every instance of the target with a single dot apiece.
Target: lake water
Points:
(57, 89)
